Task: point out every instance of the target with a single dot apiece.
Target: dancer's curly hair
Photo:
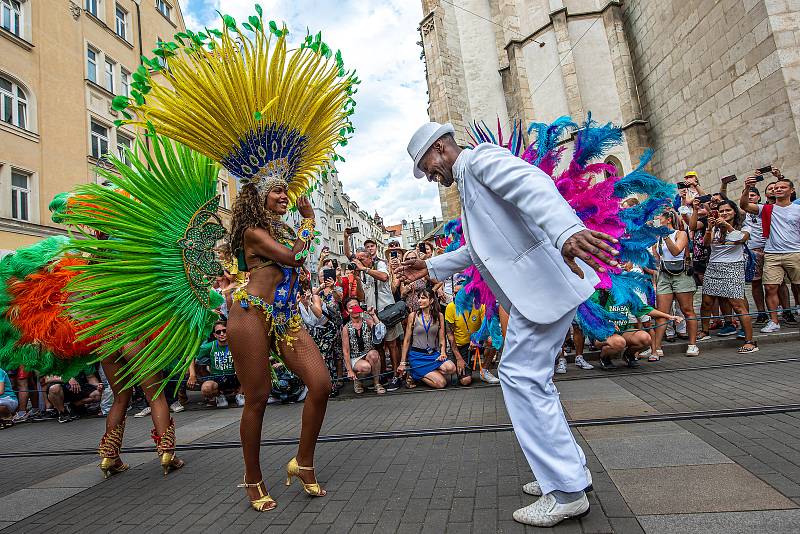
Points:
(248, 212)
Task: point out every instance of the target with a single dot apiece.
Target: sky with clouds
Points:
(379, 39)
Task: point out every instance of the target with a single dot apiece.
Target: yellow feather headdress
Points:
(268, 114)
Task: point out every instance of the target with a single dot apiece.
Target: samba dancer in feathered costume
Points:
(144, 292)
(272, 117)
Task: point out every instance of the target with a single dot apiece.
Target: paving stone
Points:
(659, 450)
(629, 431)
(625, 525)
(604, 408)
(693, 489)
(762, 522)
(25, 502)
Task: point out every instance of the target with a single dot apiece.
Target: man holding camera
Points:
(780, 224)
(378, 295)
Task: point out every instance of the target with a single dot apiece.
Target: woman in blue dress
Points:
(424, 345)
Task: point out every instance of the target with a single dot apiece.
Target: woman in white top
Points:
(725, 272)
(673, 281)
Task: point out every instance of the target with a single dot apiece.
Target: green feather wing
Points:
(145, 291)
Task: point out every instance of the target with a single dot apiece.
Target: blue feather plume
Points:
(548, 135)
(595, 321)
(593, 141)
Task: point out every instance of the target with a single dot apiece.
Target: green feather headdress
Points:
(146, 289)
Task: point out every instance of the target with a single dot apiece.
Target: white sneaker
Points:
(239, 400)
(582, 363)
(646, 353)
(488, 377)
(533, 488)
(222, 402)
(143, 413)
(692, 350)
(546, 512)
(176, 407)
(770, 327)
(561, 368)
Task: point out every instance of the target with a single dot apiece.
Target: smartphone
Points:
(760, 178)
(683, 185)
(704, 198)
(329, 274)
(335, 264)
(728, 179)
(354, 230)
(422, 248)
(351, 266)
(393, 253)
(764, 170)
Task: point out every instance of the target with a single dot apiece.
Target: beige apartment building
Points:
(61, 64)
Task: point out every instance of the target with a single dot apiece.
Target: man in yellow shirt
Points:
(459, 329)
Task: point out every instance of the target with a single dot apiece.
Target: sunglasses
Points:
(219, 331)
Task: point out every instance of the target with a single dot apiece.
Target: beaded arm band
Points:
(307, 235)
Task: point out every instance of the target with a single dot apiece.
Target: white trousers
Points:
(532, 401)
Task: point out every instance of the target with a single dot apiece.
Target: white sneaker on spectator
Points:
(144, 413)
(646, 353)
(582, 363)
(240, 399)
(488, 377)
(546, 512)
(222, 402)
(302, 396)
(561, 367)
(692, 350)
(770, 327)
(176, 407)
(21, 417)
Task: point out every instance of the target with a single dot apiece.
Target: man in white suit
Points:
(531, 249)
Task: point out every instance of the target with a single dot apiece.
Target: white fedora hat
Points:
(422, 140)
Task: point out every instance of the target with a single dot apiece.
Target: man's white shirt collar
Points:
(460, 166)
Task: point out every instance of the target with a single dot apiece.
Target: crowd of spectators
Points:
(380, 333)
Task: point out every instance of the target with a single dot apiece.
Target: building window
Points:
(123, 142)
(91, 64)
(13, 104)
(93, 7)
(121, 22)
(164, 8)
(11, 16)
(20, 195)
(109, 75)
(341, 248)
(338, 225)
(224, 195)
(99, 139)
(124, 82)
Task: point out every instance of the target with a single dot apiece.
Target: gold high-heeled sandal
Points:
(265, 502)
(165, 448)
(293, 470)
(110, 445)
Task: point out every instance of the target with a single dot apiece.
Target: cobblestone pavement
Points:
(738, 474)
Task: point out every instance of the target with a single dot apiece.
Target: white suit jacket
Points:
(515, 222)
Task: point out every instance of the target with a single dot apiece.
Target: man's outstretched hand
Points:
(586, 244)
(411, 270)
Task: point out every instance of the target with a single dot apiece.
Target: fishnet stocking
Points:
(304, 359)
